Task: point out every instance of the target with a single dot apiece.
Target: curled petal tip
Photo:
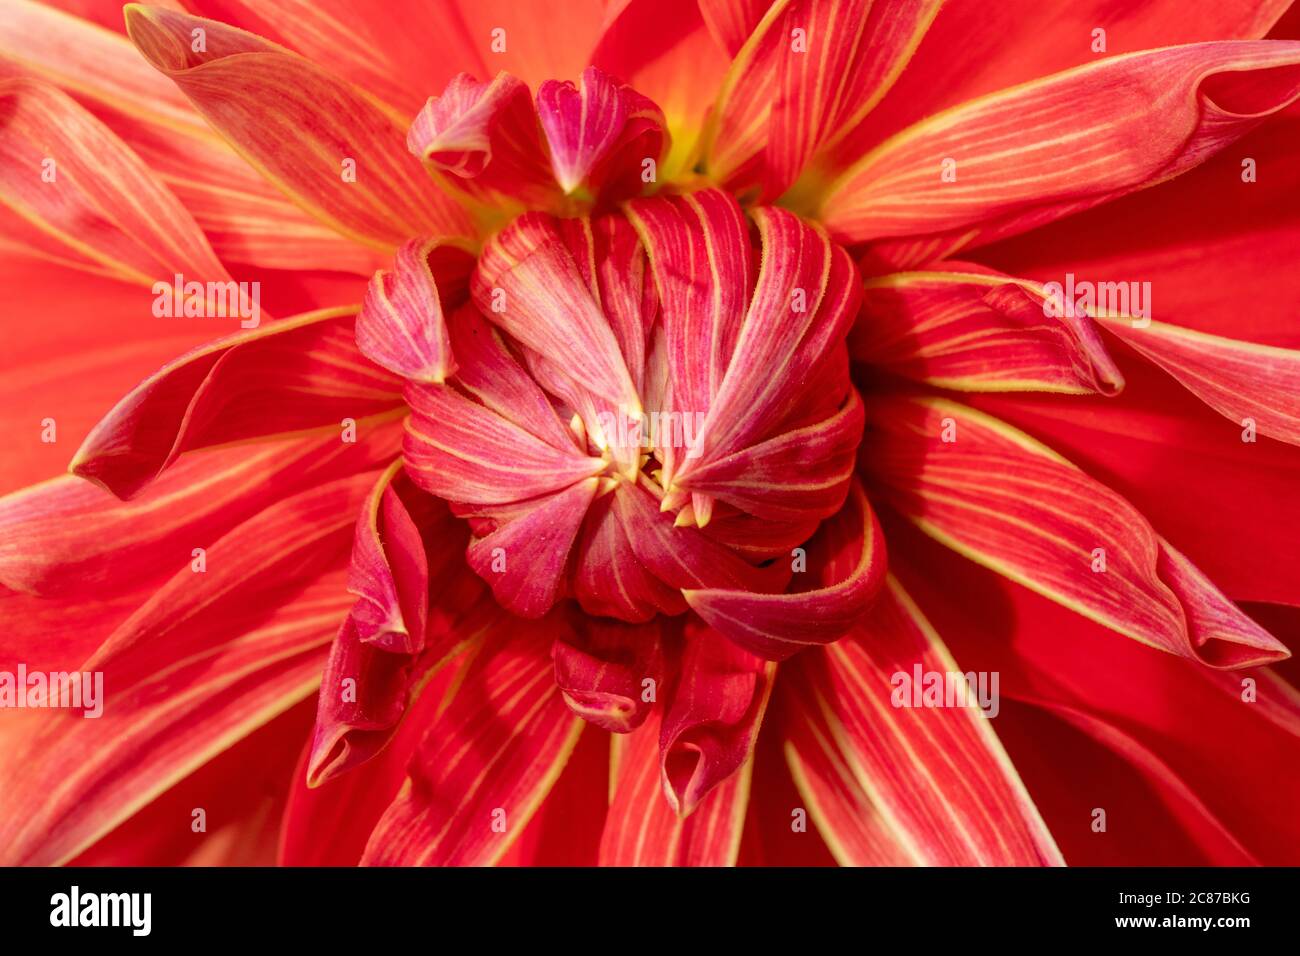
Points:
(401, 325)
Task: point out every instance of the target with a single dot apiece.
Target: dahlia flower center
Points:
(640, 407)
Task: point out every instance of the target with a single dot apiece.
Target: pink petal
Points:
(846, 561)
(599, 132)
(713, 717)
(602, 668)
(487, 136)
(401, 325)
(525, 555)
(529, 284)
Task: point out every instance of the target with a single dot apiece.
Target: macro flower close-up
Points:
(650, 433)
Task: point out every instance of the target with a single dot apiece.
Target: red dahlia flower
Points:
(624, 516)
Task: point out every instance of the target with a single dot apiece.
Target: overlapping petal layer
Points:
(329, 147)
(847, 561)
(609, 672)
(245, 218)
(1142, 443)
(649, 337)
(1182, 758)
(70, 537)
(76, 778)
(642, 830)
(401, 325)
(710, 724)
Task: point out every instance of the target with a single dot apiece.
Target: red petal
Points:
(1156, 428)
(102, 208)
(567, 827)
(602, 669)
(1161, 235)
(347, 806)
(300, 127)
(714, 716)
(805, 298)
(642, 830)
(243, 792)
(799, 475)
(296, 374)
(486, 762)
(1241, 380)
(417, 607)
(492, 437)
(1006, 501)
(974, 48)
(244, 217)
(732, 21)
(465, 452)
(664, 50)
(1056, 146)
(939, 787)
(809, 72)
(610, 580)
(1203, 755)
(535, 41)
(685, 557)
(68, 536)
(856, 831)
(398, 57)
(201, 664)
(703, 267)
(979, 333)
(67, 369)
(389, 572)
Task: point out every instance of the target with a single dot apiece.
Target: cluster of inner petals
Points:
(597, 138)
(646, 409)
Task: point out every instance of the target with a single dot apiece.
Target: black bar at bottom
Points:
(559, 907)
